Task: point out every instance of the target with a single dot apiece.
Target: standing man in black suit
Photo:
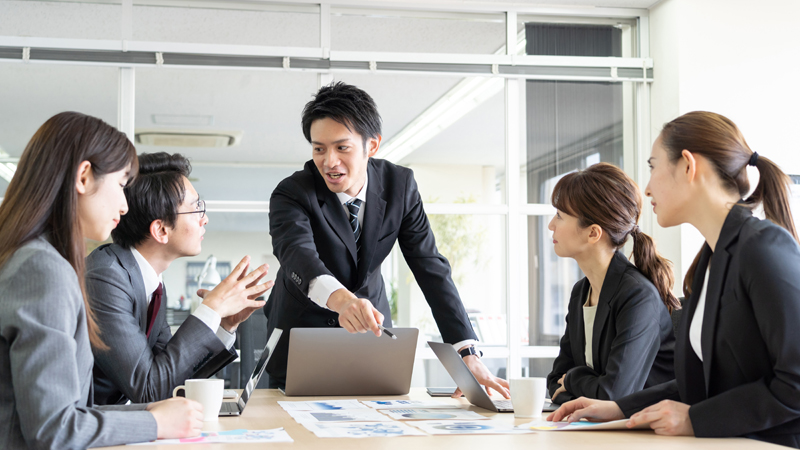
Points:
(334, 222)
(144, 361)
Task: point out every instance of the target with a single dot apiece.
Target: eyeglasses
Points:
(200, 208)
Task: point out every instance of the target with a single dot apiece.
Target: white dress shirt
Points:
(696, 328)
(321, 287)
(206, 315)
(589, 313)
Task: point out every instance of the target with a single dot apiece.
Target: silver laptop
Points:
(237, 408)
(331, 361)
(464, 379)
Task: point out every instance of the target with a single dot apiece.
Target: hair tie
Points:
(635, 229)
(753, 159)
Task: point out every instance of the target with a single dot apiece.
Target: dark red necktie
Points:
(152, 309)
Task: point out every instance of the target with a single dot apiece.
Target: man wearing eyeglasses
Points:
(165, 221)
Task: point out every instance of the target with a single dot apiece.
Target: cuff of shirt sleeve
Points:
(464, 343)
(321, 288)
(228, 339)
(208, 316)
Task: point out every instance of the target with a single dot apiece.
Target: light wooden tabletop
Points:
(263, 412)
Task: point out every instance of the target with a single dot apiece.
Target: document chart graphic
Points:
(394, 404)
(230, 436)
(468, 427)
(361, 429)
(342, 415)
(432, 414)
(328, 405)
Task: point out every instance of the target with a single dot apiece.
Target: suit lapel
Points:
(139, 295)
(334, 212)
(716, 280)
(688, 367)
(610, 285)
(373, 219)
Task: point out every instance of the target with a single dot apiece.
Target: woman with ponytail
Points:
(737, 352)
(67, 187)
(619, 333)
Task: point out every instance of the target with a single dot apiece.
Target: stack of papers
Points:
(468, 427)
(541, 425)
(432, 414)
(327, 405)
(339, 415)
(392, 404)
(361, 429)
(228, 437)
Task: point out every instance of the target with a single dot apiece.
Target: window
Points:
(487, 130)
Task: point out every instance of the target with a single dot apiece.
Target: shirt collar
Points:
(362, 194)
(149, 276)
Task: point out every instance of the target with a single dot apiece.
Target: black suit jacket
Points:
(137, 367)
(748, 383)
(311, 236)
(632, 340)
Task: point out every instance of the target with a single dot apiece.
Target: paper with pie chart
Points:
(361, 429)
(432, 414)
(342, 415)
(468, 427)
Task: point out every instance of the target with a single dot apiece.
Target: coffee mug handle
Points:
(175, 391)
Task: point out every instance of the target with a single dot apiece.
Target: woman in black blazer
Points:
(619, 333)
(737, 354)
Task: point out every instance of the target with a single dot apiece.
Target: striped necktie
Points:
(352, 207)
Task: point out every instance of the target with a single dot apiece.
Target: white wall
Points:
(733, 57)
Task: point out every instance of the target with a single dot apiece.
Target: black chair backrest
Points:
(252, 335)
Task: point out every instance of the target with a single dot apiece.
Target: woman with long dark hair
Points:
(737, 353)
(619, 333)
(67, 187)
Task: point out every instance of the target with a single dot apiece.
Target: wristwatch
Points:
(471, 350)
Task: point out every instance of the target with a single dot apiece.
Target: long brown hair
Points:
(41, 197)
(719, 140)
(605, 195)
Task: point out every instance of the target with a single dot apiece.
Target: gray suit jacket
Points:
(46, 361)
(136, 367)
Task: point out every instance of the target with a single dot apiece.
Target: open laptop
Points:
(331, 361)
(475, 393)
(237, 408)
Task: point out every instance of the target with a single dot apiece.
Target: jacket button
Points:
(331, 322)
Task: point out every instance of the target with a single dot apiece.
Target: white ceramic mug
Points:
(206, 392)
(527, 396)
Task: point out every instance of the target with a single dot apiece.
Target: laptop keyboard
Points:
(229, 407)
(503, 404)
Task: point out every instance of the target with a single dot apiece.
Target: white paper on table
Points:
(542, 425)
(432, 414)
(393, 404)
(468, 427)
(322, 405)
(361, 429)
(229, 437)
(339, 415)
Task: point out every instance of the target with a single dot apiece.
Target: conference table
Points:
(263, 412)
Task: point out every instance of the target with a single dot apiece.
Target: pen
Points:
(388, 333)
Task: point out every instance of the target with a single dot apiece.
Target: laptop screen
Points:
(260, 366)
